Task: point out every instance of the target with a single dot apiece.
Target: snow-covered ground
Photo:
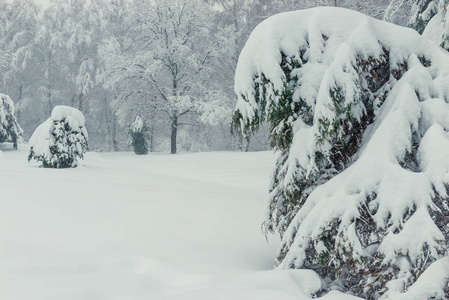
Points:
(123, 226)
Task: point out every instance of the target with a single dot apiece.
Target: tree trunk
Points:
(49, 84)
(114, 133)
(50, 105)
(174, 133)
(240, 141)
(108, 123)
(80, 102)
(18, 101)
(151, 131)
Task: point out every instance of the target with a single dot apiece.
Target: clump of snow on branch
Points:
(61, 140)
(359, 118)
(10, 130)
(430, 285)
(137, 125)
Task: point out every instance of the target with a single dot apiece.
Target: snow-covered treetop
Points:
(358, 113)
(137, 125)
(10, 130)
(71, 114)
(6, 107)
(322, 41)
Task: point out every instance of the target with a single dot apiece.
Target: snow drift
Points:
(359, 116)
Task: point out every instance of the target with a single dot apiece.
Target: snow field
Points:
(141, 227)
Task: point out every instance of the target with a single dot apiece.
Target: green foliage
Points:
(244, 126)
(323, 258)
(274, 106)
(139, 143)
(281, 131)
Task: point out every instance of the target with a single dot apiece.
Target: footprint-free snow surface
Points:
(159, 226)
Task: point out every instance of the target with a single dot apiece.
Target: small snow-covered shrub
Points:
(359, 121)
(138, 131)
(61, 140)
(10, 130)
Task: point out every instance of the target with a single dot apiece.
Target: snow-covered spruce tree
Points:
(10, 130)
(138, 131)
(437, 29)
(61, 140)
(359, 119)
(422, 12)
(429, 17)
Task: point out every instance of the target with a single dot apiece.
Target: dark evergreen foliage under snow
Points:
(139, 132)
(10, 130)
(61, 140)
(359, 118)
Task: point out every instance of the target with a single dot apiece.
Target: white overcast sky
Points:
(44, 3)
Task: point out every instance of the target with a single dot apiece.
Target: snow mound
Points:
(359, 116)
(41, 138)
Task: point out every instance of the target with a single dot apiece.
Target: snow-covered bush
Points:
(359, 119)
(61, 140)
(10, 130)
(138, 131)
